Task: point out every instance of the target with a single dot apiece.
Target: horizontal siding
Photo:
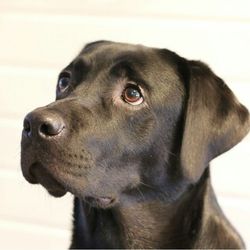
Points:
(52, 41)
(231, 171)
(16, 235)
(192, 9)
(10, 133)
(30, 215)
(28, 89)
(39, 38)
(54, 213)
(237, 212)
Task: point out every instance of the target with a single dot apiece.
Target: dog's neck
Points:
(150, 225)
(153, 224)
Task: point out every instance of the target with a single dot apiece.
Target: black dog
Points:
(131, 135)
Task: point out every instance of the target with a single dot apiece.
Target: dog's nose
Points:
(43, 123)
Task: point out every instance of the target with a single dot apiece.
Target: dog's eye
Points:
(63, 83)
(132, 95)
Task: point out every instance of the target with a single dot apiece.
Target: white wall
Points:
(38, 38)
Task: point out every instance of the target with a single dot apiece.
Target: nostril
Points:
(51, 128)
(26, 126)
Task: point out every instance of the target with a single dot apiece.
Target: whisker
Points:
(138, 189)
(147, 185)
(171, 153)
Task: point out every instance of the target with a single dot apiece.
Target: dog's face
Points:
(122, 121)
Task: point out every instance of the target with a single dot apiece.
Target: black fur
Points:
(139, 174)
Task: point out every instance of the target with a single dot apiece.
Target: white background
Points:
(38, 38)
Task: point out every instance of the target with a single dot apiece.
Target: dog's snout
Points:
(27, 126)
(43, 124)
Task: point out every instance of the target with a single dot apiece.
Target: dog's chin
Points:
(40, 175)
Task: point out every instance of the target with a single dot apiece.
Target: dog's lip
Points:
(57, 192)
(40, 174)
(100, 201)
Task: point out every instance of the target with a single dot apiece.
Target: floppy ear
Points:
(214, 120)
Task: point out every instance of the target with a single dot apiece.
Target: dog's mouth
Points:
(39, 174)
(101, 202)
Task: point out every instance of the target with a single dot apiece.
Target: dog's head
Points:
(127, 118)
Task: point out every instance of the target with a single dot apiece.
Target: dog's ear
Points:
(214, 120)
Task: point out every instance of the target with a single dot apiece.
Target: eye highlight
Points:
(63, 83)
(132, 95)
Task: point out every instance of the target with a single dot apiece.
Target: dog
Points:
(131, 135)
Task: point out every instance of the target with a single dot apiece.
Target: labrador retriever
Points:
(131, 135)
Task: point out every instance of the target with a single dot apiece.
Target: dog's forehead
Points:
(106, 53)
(100, 56)
(113, 48)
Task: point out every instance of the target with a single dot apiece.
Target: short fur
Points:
(139, 174)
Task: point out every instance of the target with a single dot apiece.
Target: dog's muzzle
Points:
(41, 127)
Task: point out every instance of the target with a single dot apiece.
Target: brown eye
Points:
(132, 95)
(63, 83)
